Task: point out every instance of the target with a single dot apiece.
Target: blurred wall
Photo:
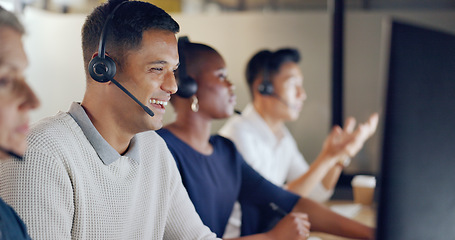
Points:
(56, 67)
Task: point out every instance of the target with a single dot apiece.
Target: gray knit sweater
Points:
(62, 189)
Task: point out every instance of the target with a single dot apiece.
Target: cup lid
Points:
(364, 181)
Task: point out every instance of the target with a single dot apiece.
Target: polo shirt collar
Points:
(105, 151)
(252, 115)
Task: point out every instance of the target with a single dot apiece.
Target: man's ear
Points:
(94, 55)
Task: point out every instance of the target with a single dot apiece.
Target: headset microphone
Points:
(11, 153)
(146, 109)
(102, 68)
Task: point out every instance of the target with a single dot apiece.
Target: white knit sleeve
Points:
(183, 221)
(39, 189)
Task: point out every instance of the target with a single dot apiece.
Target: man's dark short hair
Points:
(125, 31)
(269, 61)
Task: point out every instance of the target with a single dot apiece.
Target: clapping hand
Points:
(345, 143)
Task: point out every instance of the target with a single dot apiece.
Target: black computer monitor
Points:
(417, 177)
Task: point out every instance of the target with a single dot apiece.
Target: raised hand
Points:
(358, 137)
(347, 142)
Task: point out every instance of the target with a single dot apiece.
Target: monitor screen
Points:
(417, 177)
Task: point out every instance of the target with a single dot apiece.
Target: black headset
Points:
(266, 86)
(187, 86)
(102, 68)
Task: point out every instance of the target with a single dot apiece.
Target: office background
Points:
(56, 67)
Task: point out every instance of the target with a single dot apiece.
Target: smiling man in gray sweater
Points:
(96, 171)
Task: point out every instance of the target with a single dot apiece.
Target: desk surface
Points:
(361, 213)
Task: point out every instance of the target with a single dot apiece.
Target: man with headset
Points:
(96, 171)
(276, 86)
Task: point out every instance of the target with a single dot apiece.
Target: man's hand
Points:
(347, 142)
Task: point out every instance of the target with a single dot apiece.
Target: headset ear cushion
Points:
(187, 87)
(266, 88)
(102, 69)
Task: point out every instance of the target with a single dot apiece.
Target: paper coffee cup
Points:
(363, 189)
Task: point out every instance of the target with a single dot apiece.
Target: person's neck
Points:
(193, 129)
(275, 124)
(107, 126)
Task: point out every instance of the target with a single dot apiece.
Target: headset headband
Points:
(102, 45)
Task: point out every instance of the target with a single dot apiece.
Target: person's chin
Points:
(156, 124)
(229, 112)
(291, 117)
(223, 115)
(294, 114)
(294, 117)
